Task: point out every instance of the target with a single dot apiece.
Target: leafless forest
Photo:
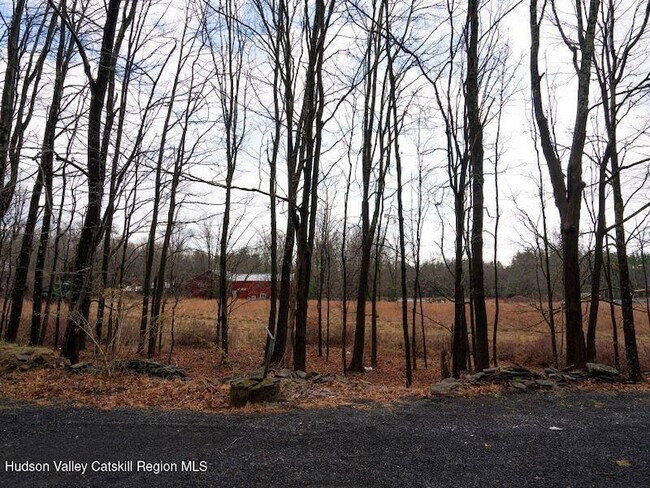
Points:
(353, 151)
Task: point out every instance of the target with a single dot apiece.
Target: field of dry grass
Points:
(523, 336)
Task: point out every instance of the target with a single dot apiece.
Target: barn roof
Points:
(266, 277)
(251, 277)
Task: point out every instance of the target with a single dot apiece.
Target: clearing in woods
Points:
(523, 339)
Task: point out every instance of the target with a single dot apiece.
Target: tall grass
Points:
(523, 335)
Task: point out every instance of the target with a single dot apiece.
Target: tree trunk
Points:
(598, 262)
(627, 304)
(368, 224)
(460, 346)
(475, 131)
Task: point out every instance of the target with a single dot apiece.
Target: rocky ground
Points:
(520, 378)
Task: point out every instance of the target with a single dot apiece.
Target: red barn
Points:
(251, 286)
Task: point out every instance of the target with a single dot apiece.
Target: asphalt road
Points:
(528, 439)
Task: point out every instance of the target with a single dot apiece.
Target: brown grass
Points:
(523, 336)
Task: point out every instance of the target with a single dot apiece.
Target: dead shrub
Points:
(197, 336)
(533, 352)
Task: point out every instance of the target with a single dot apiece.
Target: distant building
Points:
(244, 286)
(251, 286)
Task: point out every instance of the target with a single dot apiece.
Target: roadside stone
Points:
(445, 387)
(283, 373)
(545, 383)
(597, 369)
(300, 374)
(245, 390)
(84, 367)
(267, 390)
(153, 368)
(503, 375)
(519, 385)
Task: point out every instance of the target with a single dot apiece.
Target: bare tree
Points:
(543, 249)
(374, 140)
(96, 173)
(612, 70)
(121, 166)
(159, 175)
(396, 124)
(567, 191)
(475, 135)
(227, 42)
(33, 72)
(457, 172)
(184, 152)
(311, 124)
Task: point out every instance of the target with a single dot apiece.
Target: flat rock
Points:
(153, 368)
(325, 378)
(83, 367)
(491, 370)
(283, 373)
(597, 369)
(545, 383)
(445, 387)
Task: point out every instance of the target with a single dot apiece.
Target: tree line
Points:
(354, 136)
